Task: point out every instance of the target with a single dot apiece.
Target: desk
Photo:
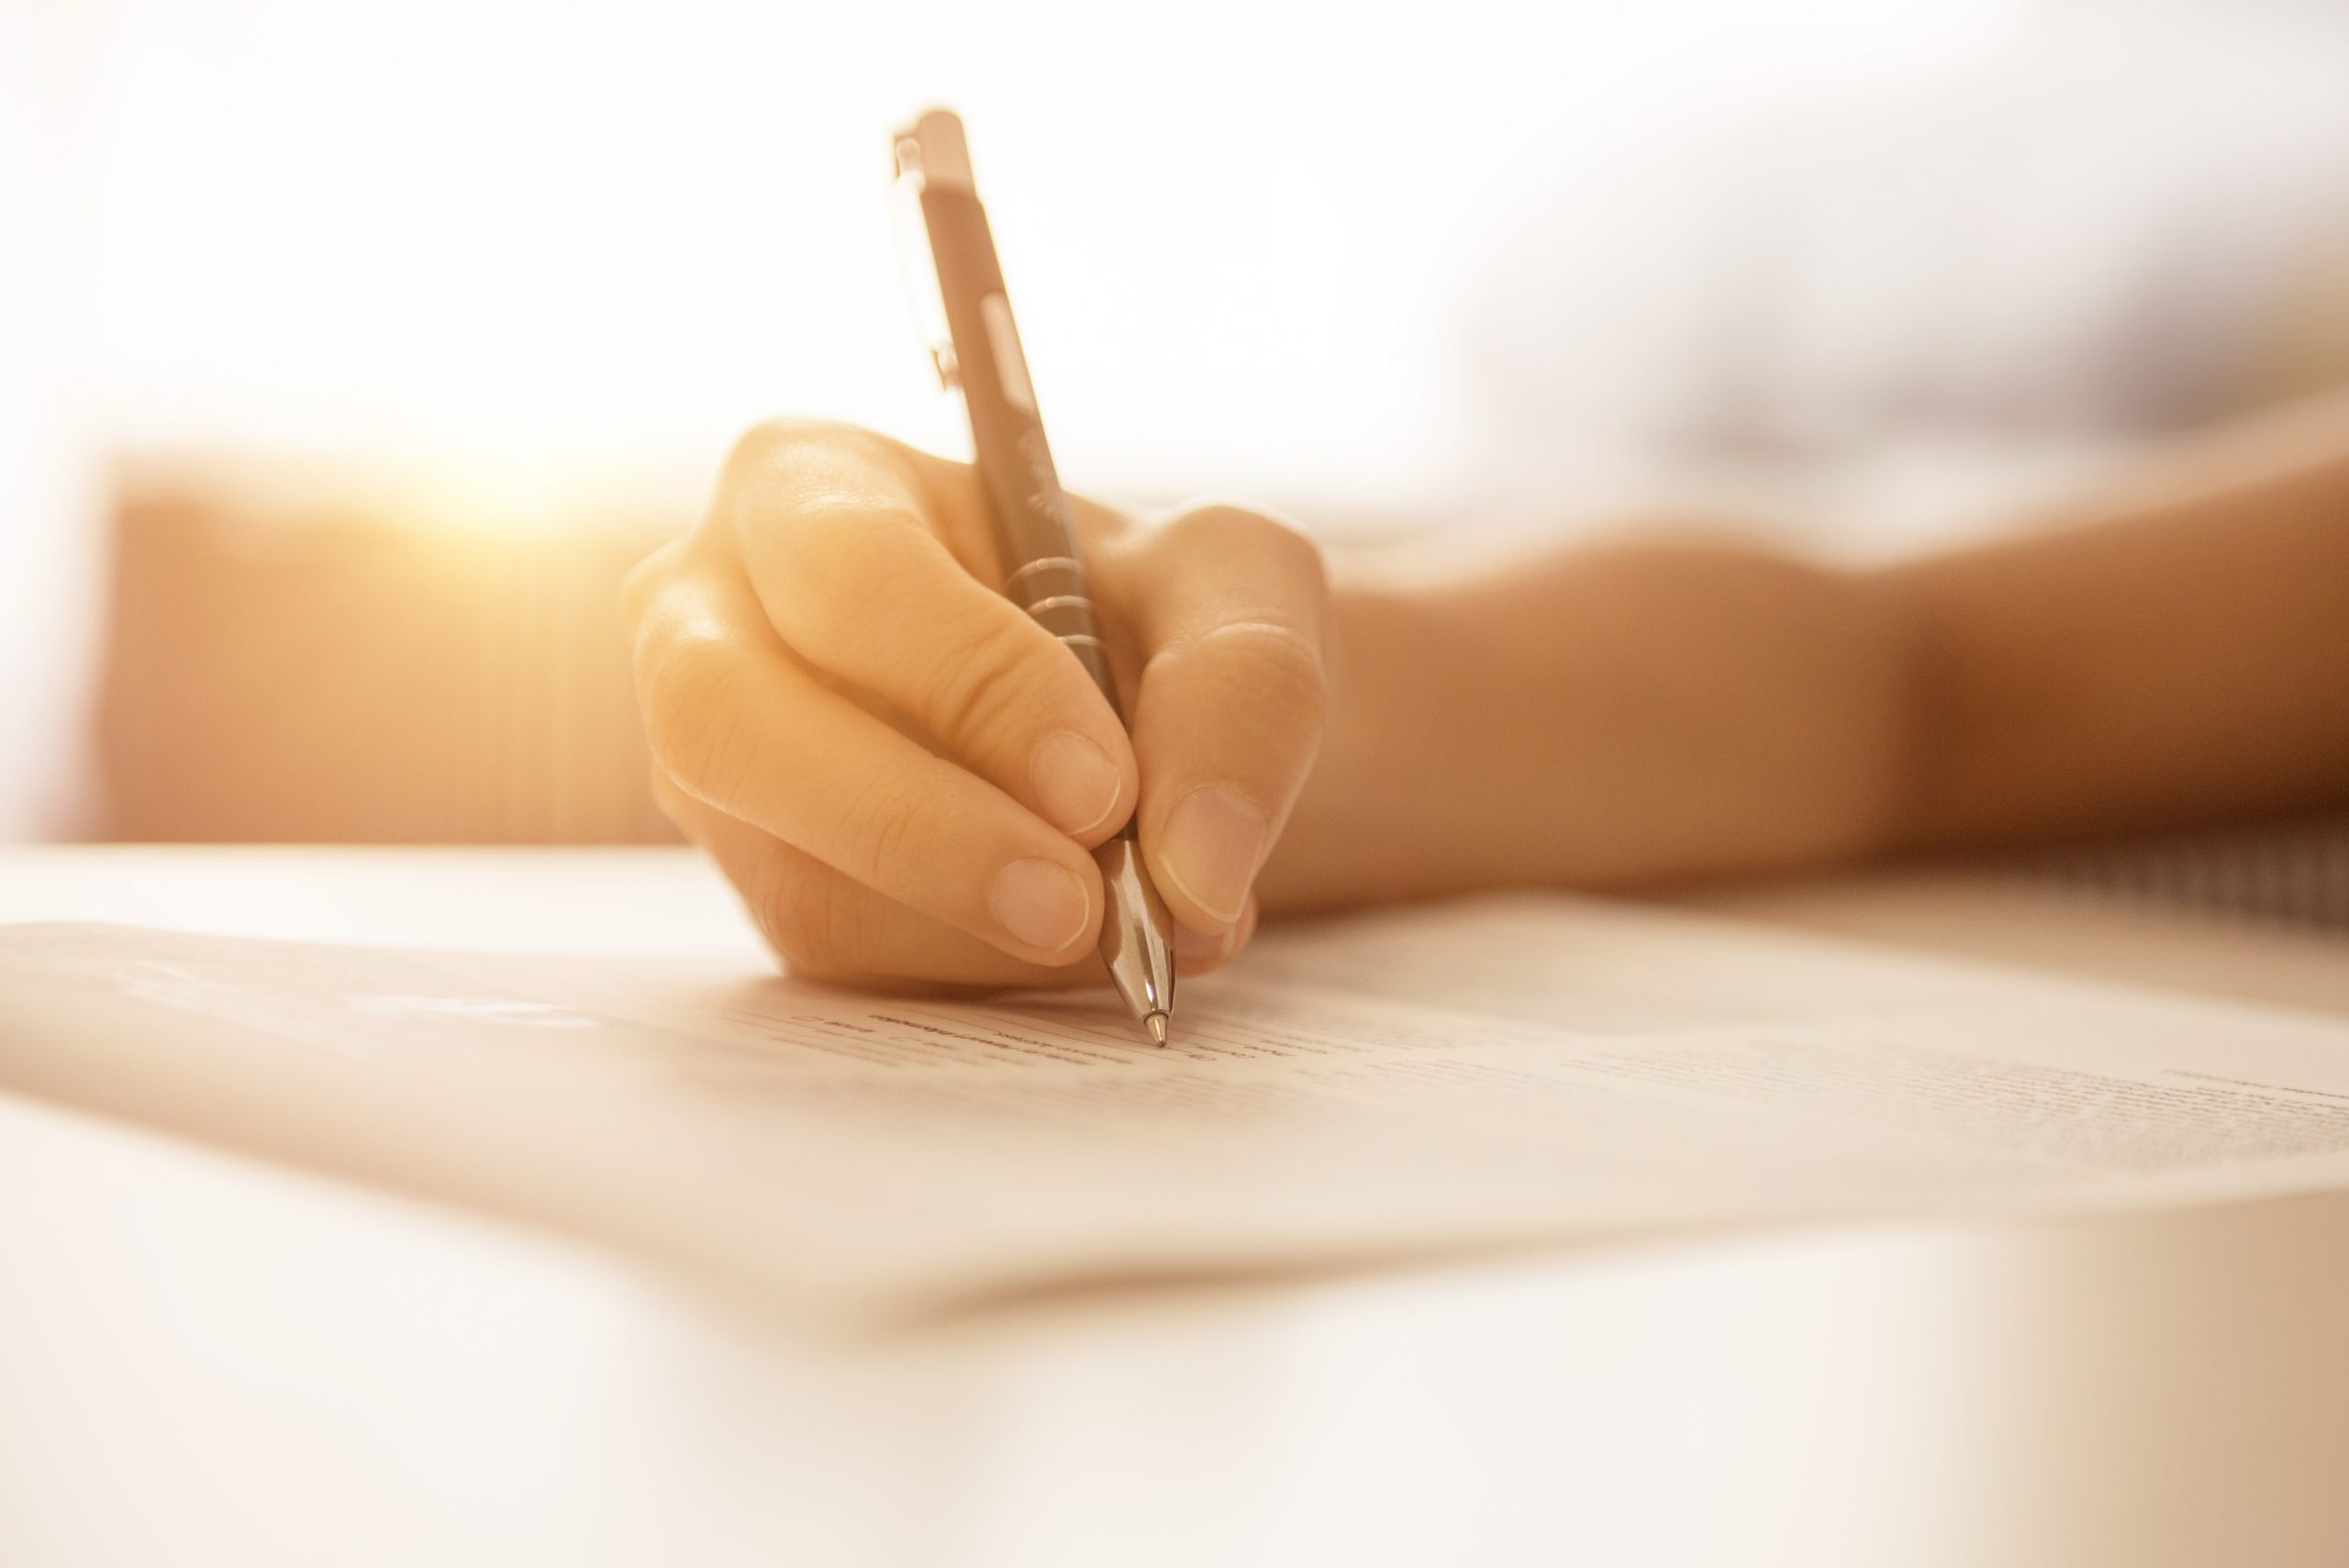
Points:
(207, 1359)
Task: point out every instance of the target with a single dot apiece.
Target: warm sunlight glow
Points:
(601, 232)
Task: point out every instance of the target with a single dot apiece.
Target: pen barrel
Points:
(1035, 528)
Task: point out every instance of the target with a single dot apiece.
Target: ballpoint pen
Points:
(1044, 571)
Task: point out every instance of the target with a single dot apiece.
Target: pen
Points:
(1045, 571)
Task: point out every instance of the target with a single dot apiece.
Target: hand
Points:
(902, 773)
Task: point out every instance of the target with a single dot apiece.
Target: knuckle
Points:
(846, 548)
(666, 794)
(1207, 525)
(1300, 557)
(642, 584)
(1271, 548)
(1280, 670)
(1227, 524)
(985, 677)
(846, 555)
(786, 443)
(795, 912)
(682, 680)
(764, 448)
(881, 830)
(773, 441)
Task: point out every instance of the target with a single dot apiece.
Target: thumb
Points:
(1229, 606)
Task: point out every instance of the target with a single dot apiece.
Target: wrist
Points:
(1603, 716)
(1369, 824)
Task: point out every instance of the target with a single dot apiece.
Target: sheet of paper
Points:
(1499, 1072)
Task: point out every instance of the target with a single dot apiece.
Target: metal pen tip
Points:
(1156, 1024)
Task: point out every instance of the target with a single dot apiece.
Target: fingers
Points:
(844, 588)
(838, 539)
(736, 723)
(828, 928)
(1227, 718)
(1197, 953)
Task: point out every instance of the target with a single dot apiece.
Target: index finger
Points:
(848, 553)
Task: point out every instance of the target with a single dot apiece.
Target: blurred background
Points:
(350, 353)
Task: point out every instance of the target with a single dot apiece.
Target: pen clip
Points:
(910, 234)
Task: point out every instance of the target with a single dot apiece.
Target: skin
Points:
(877, 747)
(903, 774)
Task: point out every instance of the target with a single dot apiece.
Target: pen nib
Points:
(1156, 1024)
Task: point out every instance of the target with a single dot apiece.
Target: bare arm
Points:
(903, 774)
(2175, 649)
(2177, 652)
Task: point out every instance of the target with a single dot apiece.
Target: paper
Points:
(1501, 1073)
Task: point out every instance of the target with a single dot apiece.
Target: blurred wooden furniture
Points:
(292, 659)
(207, 1359)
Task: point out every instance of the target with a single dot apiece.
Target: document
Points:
(1504, 1072)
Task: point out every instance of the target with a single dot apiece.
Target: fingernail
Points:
(1041, 904)
(1075, 781)
(1214, 838)
(1202, 954)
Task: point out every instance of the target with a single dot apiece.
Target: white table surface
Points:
(208, 1358)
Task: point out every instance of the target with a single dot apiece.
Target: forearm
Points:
(2172, 650)
(1601, 717)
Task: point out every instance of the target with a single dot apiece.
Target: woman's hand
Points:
(902, 773)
